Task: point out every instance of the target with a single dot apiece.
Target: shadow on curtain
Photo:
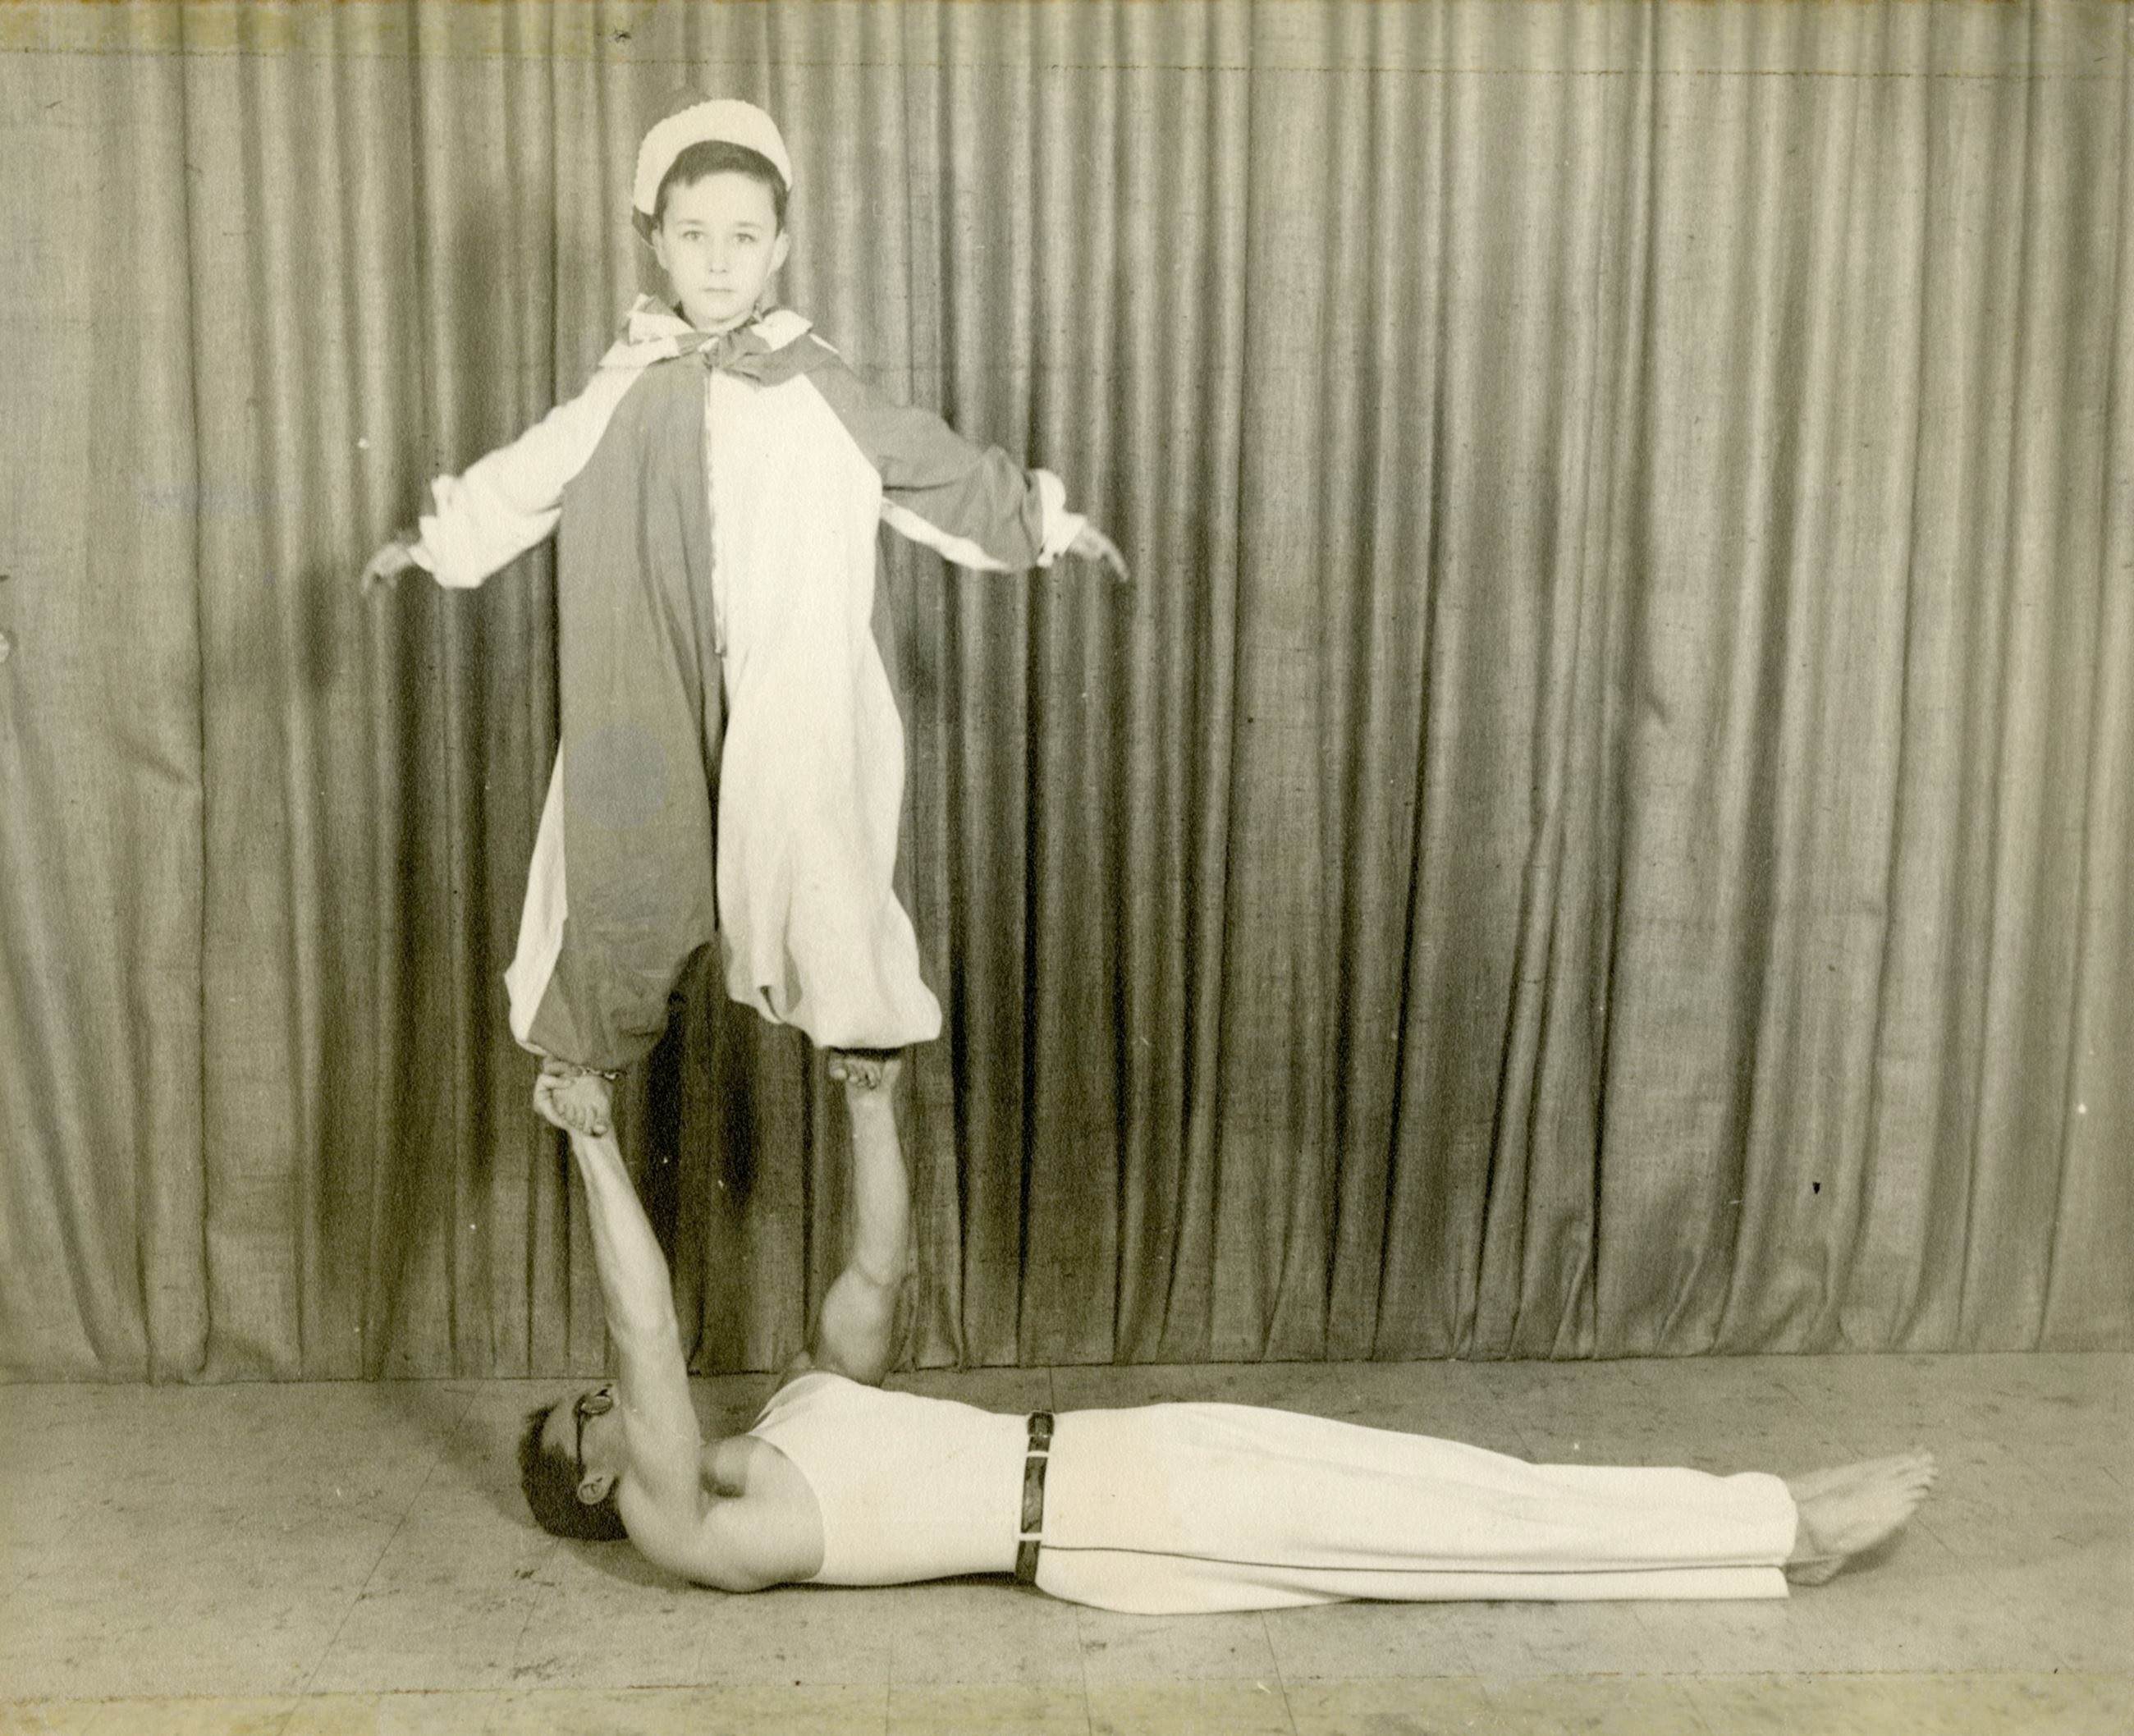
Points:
(1602, 828)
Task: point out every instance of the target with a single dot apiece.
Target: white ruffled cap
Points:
(725, 118)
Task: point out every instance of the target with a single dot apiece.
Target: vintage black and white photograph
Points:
(1066, 867)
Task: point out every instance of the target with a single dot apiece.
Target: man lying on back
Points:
(1155, 1508)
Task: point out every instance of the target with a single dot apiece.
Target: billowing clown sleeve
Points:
(974, 505)
(502, 505)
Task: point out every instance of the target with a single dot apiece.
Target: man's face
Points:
(719, 242)
(586, 1431)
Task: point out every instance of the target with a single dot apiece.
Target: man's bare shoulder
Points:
(764, 1529)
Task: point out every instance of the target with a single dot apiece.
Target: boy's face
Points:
(719, 242)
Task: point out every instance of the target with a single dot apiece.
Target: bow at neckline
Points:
(654, 332)
(733, 351)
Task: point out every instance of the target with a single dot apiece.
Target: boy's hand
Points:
(389, 563)
(1092, 544)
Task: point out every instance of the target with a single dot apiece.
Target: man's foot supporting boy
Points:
(579, 1096)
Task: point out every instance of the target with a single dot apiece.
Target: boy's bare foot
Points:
(1852, 1508)
(866, 1069)
(575, 1099)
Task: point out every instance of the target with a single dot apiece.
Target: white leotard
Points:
(910, 1487)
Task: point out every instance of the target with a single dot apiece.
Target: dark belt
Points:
(1033, 1497)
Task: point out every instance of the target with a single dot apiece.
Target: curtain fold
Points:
(1600, 827)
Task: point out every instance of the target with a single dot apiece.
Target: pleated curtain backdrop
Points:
(1601, 827)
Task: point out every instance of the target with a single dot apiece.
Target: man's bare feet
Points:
(866, 1069)
(575, 1099)
(1852, 1508)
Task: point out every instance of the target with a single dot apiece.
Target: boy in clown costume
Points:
(731, 764)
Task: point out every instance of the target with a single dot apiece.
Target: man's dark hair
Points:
(550, 1481)
(710, 156)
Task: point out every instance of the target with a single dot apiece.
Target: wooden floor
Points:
(296, 1560)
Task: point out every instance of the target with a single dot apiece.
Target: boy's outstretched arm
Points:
(974, 505)
(505, 503)
(1092, 544)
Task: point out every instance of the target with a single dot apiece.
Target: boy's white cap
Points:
(725, 118)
